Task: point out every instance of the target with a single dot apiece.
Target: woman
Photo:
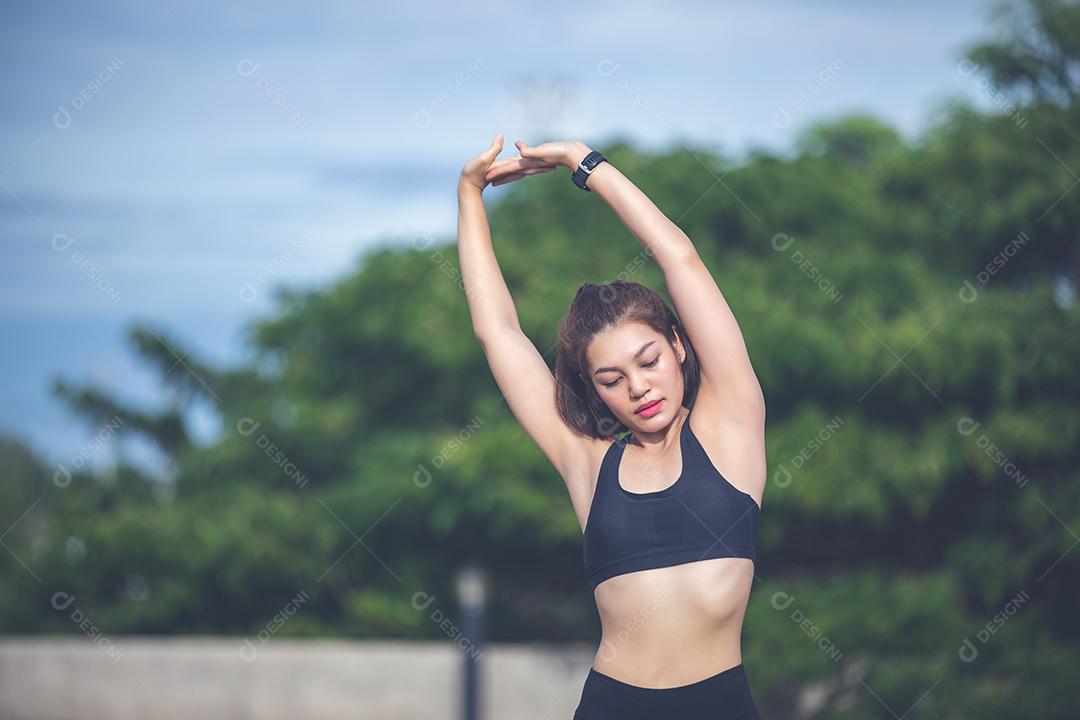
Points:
(669, 513)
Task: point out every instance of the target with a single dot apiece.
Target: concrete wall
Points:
(143, 678)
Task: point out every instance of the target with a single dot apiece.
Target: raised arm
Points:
(726, 372)
(519, 369)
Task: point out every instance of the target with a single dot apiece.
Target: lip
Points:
(649, 409)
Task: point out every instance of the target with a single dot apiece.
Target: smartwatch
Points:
(585, 168)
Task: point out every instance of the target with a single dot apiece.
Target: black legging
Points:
(724, 696)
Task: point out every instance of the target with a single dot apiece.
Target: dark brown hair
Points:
(594, 309)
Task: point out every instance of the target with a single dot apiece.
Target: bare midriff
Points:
(675, 625)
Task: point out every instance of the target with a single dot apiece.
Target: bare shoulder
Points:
(733, 438)
(581, 472)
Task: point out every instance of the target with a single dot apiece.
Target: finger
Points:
(514, 164)
(510, 178)
(518, 175)
(498, 179)
(525, 161)
(524, 149)
(519, 163)
(510, 170)
(500, 171)
(496, 145)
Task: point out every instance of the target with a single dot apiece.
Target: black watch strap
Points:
(585, 168)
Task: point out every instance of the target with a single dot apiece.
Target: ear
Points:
(680, 351)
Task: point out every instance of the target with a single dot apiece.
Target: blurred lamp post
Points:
(471, 586)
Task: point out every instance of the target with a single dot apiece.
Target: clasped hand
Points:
(484, 168)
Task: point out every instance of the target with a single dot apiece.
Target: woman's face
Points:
(632, 366)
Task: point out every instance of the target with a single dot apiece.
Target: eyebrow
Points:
(636, 356)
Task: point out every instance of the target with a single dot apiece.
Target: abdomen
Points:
(675, 625)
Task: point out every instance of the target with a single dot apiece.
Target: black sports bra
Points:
(699, 517)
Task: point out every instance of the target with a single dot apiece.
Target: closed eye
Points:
(613, 383)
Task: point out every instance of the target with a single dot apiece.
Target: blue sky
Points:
(171, 161)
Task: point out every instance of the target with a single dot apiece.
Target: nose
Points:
(637, 386)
